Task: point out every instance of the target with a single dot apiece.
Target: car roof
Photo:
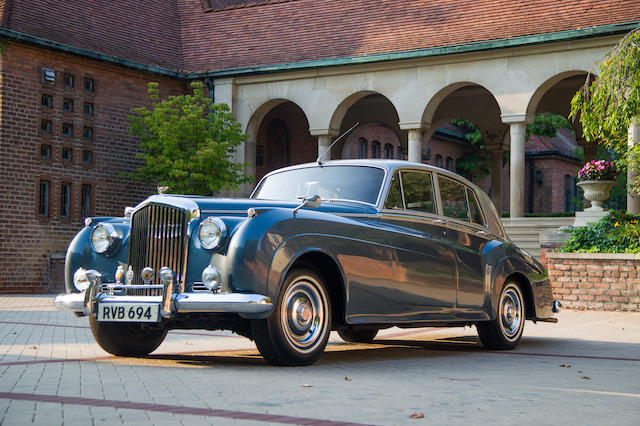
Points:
(389, 165)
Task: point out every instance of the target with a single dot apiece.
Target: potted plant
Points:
(596, 179)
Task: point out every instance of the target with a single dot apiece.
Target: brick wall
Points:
(601, 281)
(27, 239)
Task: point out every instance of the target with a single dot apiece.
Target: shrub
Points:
(618, 232)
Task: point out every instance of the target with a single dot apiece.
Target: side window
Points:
(474, 208)
(418, 191)
(394, 199)
(454, 200)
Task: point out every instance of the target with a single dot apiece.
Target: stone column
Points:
(324, 142)
(517, 180)
(414, 151)
(633, 199)
(414, 142)
(496, 178)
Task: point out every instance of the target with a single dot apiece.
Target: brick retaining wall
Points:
(602, 281)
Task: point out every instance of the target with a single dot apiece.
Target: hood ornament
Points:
(162, 189)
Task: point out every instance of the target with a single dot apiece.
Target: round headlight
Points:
(103, 237)
(212, 232)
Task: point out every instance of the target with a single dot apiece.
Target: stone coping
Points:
(592, 256)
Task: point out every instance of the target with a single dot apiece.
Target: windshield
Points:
(356, 183)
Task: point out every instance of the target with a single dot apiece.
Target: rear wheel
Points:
(126, 339)
(297, 331)
(505, 331)
(358, 335)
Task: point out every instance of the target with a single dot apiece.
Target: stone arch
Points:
(368, 108)
(278, 119)
(543, 90)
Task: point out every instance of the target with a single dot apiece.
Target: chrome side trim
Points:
(240, 303)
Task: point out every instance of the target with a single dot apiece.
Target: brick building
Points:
(295, 73)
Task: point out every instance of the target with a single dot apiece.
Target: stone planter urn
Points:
(596, 191)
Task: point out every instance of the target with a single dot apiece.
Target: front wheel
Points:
(126, 339)
(297, 331)
(505, 331)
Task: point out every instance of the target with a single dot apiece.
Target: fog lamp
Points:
(211, 278)
(80, 279)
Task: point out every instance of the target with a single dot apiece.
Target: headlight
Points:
(212, 233)
(103, 237)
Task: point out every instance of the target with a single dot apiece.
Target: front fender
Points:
(81, 255)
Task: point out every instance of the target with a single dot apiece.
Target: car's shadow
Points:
(385, 350)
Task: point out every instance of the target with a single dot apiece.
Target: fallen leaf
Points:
(347, 379)
(417, 416)
(32, 347)
(585, 377)
(564, 366)
(307, 386)
(580, 371)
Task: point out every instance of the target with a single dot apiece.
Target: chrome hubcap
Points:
(511, 312)
(303, 316)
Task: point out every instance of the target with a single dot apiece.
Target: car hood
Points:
(239, 206)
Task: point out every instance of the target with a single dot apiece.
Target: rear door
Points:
(467, 233)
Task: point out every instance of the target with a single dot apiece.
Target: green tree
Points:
(187, 143)
(606, 106)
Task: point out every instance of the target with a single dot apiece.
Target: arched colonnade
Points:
(500, 91)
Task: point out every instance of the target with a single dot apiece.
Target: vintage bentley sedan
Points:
(349, 245)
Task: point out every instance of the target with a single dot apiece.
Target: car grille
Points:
(158, 238)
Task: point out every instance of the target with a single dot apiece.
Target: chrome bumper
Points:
(170, 303)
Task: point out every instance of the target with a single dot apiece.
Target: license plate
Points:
(129, 312)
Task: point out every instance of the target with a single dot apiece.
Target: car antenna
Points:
(334, 142)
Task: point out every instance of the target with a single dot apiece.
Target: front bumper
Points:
(246, 304)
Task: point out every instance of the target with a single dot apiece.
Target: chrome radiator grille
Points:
(158, 238)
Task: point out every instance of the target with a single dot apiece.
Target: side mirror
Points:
(311, 202)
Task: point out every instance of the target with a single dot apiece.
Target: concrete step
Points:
(525, 231)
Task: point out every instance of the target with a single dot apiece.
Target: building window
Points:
(67, 105)
(362, 148)
(260, 155)
(375, 149)
(388, 150)
(87, 133)
(438, 160)
(65, 199)
(67, 129)
(48, 76)
(399, 153)
(43, 198)
(68, 81)
(86, 200)
(449, 163)
(88, 109)
(426, 155)
(45, 126)
(45, 151)
(88, 84)
(67, 154)
(87, 157)
(570, 193)
(46, 101)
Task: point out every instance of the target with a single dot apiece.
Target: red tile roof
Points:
(189, 35)
(145, 31)
(319, 29)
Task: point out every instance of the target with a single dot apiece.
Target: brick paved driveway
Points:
(584, 370)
